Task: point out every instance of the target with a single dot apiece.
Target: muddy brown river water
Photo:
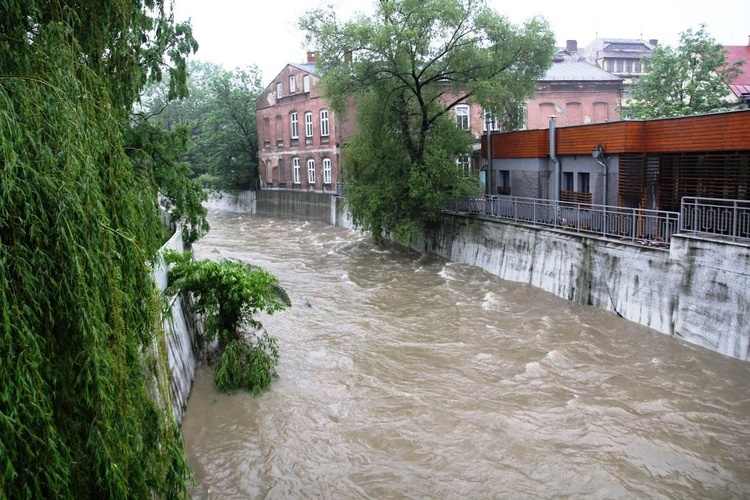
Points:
(406, 376)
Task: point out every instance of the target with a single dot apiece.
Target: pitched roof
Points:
(307, 67)
(631, 48)
(578, 71)
(735, 53)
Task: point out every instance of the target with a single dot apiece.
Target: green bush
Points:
(228, 295)
(249, 367)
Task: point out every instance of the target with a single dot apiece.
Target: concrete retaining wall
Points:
(699, 290)
(286, 204)
(180, 326)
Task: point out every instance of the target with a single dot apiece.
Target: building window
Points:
(567, 184)
(308, 124)
(504, 178)
(326, 170)
(295, 124)
(584, 185)
(292, 85)
(306, 83)
(462, 117)
(311, 172)
(638, 67)
(295, 171)
(464, 165)
(279, 90)
(490, 117)
(324, 122)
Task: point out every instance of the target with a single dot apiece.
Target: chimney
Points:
(571, 46)
(654, 42)
(310, 57)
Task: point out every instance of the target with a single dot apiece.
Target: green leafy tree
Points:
(79, 228)
(220, 116)
(158, 154)
(689, 80)
(404, 69)
(229, 295)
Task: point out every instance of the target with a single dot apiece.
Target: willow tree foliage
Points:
(404, 69)
(79, 228)
(219, 116)
(229, 295)
(691, 79)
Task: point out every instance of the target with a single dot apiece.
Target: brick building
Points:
(299, 136)
(577, 93)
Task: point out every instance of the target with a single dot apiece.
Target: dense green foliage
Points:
(157, 152)
(79, 227)
(691, 79)
(219, 118)
(229, 295)
(405, 69)
(248, 366)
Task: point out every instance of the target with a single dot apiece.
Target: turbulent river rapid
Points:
(406, 376)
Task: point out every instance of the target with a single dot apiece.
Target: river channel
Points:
(406, 376)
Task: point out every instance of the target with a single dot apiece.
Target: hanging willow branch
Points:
(78, 308)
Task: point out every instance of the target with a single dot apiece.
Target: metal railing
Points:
(716, 217)
(649, 227)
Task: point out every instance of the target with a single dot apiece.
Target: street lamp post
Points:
(488, 126)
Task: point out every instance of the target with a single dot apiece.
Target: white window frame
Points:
(327, 170)
(296, 171)
(464, 165)
(324, 130)
(292, 84)
(294, 121)
(308, 124)
(463, 116)
(311, 172)
(306, 83)
(279, 90)
(493, 116)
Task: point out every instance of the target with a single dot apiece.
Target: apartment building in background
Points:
(299, 136)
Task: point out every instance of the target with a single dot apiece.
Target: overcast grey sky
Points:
(242, 33)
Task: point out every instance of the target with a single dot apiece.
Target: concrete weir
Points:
(698, 290)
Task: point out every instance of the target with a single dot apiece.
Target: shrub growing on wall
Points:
(229, 295)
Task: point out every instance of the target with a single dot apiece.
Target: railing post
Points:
(734, 221)
(695, 216)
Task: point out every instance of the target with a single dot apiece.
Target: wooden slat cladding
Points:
(616, 137)
(709, 175)
(659, 181)
(521, 144)
(716, 132)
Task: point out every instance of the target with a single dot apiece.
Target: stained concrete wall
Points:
(180, 326)
(698, 290)
(286, 204)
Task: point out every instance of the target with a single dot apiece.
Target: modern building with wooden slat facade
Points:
(645, 164)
